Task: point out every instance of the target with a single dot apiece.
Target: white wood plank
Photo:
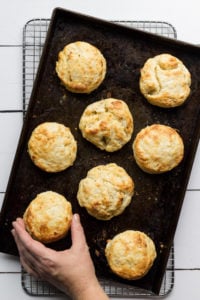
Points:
(11, 288)
(8, 263)
(15, 14)
(187, 246)
(194, 181)
(11, 78)
(10, 128)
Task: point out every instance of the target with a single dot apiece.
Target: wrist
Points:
(90, 292)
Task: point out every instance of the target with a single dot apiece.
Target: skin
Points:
(72, 270)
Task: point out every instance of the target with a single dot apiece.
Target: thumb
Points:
(77, 233)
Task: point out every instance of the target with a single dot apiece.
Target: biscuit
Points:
(81, 67)
(106, 191)
(165, 81)
(48, 217)
(52, 147)
(130, 254)
(158, 148)
(108, 124)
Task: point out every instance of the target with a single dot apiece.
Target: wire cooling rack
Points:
(37, 287)
(34, 34)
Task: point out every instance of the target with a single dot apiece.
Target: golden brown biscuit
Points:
(106, 191)
(52, 147)
(165, 81)
(158, 148)
(81, 67)
(48, 217)
(130, 254)
(107, 123)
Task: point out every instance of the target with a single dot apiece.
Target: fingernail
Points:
(76, 217)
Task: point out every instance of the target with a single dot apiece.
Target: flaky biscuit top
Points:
(106, 191)
(81, 67)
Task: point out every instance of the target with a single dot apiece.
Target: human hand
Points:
(71, 270)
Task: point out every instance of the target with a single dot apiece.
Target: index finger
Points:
(26, 242)
(78, 235)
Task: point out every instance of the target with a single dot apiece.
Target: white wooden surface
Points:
(184, 16)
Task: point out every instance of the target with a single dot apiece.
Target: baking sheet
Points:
(158, 198)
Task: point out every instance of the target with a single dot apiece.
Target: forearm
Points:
(93, 292)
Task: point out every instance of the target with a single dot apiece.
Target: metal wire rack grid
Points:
(37, 287)
(34, 35)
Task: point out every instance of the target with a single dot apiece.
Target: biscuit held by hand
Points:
(48, 217)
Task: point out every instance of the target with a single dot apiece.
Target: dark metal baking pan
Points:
(157, 202)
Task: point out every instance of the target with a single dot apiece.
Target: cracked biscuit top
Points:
(108, 124)
(81, 67)
(165, 81)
